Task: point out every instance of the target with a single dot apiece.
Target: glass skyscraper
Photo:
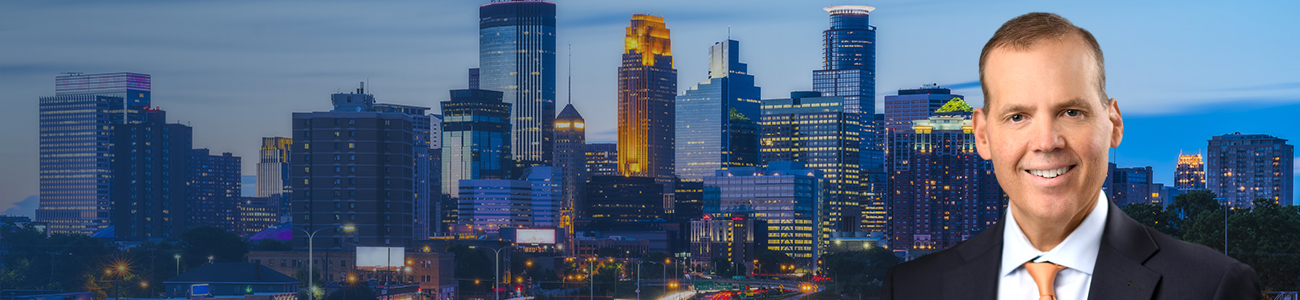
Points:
(76, 126)
(475, 138)
(818, 132)
(647, 86)
(517, 58)
(849, 59)
(785, 194)
(717, 118)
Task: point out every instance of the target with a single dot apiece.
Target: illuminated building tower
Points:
(1190, 173)
(943, 192)
(716, 119)
(849, 71)
(151, 179)
(517, 58)
(75, 151)
(273, 173)
(475, 138)
(571, 158)
(602, 159)
(214, 189)
(817, 131)
(354, 165)
(1243, 167)
(647, 85)
(791, 195)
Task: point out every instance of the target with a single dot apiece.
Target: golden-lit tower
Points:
(1190, 173)
(647, 87)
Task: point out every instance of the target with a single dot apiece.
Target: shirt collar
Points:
(1078, 251)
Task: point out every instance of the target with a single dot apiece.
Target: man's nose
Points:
(1046, 136)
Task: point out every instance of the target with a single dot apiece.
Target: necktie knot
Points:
(1044, 275)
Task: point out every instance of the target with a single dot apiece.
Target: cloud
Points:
(27, 207)
(1264, 87)
(963, 85)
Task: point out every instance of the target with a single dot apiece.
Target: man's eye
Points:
(1017, 118)
(1072, 112)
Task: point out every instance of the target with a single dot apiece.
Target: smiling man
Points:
(1047, 125)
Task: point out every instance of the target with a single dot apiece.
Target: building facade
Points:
(426, 199)
(215, 189)
(786, 195)
(943, 192)
(622, 199)
(517, 58)
(151, 195)
(724, 239)
(915, 104)
(1189, 174)
(257, 214)
(273, 172)
(571, 159)
(475, 138)
(1243, 167)
(76, 127)
(1127, 186)
(602, 159)
(647, 87)
(717, 118)
(817, 131)
(353, 166)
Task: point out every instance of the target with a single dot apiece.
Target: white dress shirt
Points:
(1078, 253)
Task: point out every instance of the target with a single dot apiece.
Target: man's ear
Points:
(1117, 124)
(981, 134)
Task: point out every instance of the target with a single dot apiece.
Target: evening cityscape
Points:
(530, 150)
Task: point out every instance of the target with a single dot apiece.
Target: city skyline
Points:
(1161, 92)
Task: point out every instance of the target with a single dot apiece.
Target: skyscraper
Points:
(353, 165)
(151, 194)
(1243, 167)
(214, 189)
(571, 158)
(943, 192)
(475, 138)
(915, 104)
(1126, 186)
(790, 196)
(426, 200)
(849, 71)
(1190, 172)
(517, 58)
(623, 199)
(273, 173)
(817, 131)
(602, 159)
(647, 86)
(76, 126)
(717, 118)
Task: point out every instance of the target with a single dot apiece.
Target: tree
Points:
(201, 242)
(771, 262)
(1155, 216)
(473, 265)
(859, 272)
(355, 291)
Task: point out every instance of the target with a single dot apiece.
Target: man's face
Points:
(1046, 130)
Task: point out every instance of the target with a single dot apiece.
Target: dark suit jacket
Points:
(1134, 262)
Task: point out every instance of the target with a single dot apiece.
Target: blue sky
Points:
(237, 70)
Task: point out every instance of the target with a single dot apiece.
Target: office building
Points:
(517, 58)
(571, 158)
(151, 196)
(732, 240)
(786, 195)
(1243, 167)
(1126, 186)
(647, 86)
(257, 214)
(915, 104)
(1189, 174)
(716, 119)
(531, 201)
(690, 200)
(849, 59)
(353, 165)
(273, 172)
(76, 126)
(602, 159)
(817, 131)
(622, 199)
(426, 199)
(943, 192)
(214, 189)
(475, 138)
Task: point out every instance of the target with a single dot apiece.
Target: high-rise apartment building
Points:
(915, 104)
(1189, 174)
(817, 131)
(517, 58)
(647, 86)
(76, 126)
(353, 165)
(571, 159)
(786, 195)
(717, 118)
(257, 214)
(426, 199)
(151, 194)
(602, 159)
(214, 189)
(1243, 167)
(1126, 186)
(943, 192)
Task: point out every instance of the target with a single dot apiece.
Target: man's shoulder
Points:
(1175, 254)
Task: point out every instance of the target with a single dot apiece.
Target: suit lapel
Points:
(1119, 273)
(977, 278)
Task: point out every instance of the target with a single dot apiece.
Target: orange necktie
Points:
(1044, 275)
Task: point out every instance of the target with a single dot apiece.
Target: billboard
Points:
(535, 236)
(380, 258)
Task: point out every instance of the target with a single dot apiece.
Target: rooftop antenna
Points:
(728, 32)
(570, 74)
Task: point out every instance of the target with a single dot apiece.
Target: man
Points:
(1047, 125)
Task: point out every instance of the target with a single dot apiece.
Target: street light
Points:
(178, 263)
(210, 257)
(638, 277)
(497, 255)
(311, 288)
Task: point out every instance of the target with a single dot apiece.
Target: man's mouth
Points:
(1051, 173)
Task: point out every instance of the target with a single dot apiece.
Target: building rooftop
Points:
(244, 273)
